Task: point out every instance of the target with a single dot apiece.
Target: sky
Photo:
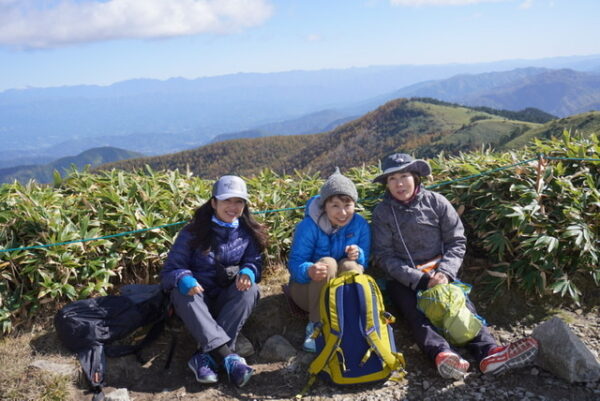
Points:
(48, 43)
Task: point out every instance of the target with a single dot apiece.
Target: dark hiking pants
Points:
(215, 321)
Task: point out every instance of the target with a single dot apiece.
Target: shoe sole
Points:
(246, 378)
(208, 380)
(449, 368)
(522, 358)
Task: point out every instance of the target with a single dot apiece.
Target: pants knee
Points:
(332, 266)
(250, 296)
(346, 265)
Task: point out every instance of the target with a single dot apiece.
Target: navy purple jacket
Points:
(231, 246)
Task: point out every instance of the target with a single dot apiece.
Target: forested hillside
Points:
(424, 127)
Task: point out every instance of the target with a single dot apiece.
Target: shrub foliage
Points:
(538, 224)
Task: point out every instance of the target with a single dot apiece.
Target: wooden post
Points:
(539, 182)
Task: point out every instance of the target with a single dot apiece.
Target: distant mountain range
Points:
(45, 173)
(559, 92)
(157, 117)
(423, 127)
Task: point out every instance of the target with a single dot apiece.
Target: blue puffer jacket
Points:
(311, 243)
(231, 246)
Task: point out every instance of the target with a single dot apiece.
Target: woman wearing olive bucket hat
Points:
(419, 242)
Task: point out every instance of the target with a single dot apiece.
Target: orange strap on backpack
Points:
(430, 265)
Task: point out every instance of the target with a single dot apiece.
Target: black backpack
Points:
(88, 327)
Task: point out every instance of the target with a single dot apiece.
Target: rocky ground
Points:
(509, 316)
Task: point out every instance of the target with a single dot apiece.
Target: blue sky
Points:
(47, 43)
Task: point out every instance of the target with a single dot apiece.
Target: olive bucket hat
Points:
(400, 163)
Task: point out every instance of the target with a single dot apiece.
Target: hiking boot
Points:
(512, 356)
(309, 342)
(451, 365)
(203, 366)
(238, 371)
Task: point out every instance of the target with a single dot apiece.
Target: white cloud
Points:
(313, 37)
(52, 23)
(526, 4)
(440, 2)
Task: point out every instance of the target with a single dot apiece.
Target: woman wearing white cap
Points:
(415, 230)
(212, 272)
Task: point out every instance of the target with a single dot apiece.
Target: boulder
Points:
(277, 348)
(243, 346)
(564, 354)
(120, 394)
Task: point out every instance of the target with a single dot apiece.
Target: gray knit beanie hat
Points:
(337, 184)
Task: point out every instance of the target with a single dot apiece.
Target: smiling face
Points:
(401, 186)
(339, 210)
(228, 210)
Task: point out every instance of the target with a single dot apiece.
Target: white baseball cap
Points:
(230, 186)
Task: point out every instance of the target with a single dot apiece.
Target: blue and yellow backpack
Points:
(355, 341)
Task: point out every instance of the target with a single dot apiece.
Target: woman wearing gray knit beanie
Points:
(331, 239)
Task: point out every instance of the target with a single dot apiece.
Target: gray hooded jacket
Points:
(430, 227)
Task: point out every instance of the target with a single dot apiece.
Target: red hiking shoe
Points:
(451, 365)
(512, 356)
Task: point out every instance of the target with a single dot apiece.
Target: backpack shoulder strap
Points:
(332, 315)
(371, 294)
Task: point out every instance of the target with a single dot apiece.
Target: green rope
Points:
(570, 158)
(480, 174)
(292, 208)
(91, 239)
(128, 232)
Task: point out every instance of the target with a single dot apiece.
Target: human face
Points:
(228, 210)
(338, 211)
(401, 186)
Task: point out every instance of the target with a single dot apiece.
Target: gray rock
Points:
(299, 363)
(277, 348)
(243, 346)
(120, 394)
(564, 354)
(64, 369)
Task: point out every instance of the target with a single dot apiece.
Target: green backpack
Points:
(445, 306)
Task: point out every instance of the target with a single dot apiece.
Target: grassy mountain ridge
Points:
(44, 173)
(584, 123)
(420, 126)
